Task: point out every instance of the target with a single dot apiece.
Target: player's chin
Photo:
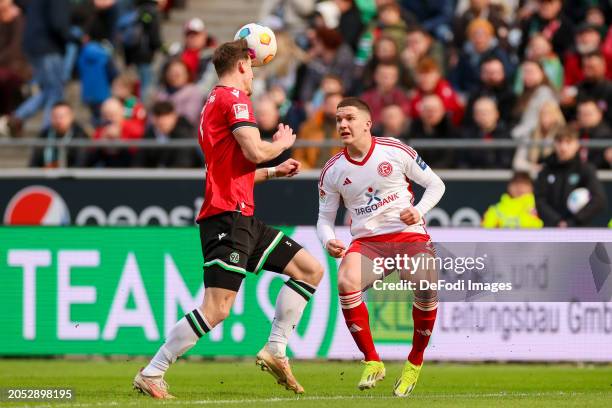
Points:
(346, 138)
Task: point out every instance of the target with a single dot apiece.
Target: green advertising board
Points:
(92, 290)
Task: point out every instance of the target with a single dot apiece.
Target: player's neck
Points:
(232, 82)
(359, 148)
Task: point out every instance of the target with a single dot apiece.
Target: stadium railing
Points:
(459, 144)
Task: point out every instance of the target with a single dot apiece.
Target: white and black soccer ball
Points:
(261, 41)
(578, 199)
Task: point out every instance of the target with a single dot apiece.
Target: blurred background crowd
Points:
(430, 69)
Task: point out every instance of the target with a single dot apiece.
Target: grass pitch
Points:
(328, 384)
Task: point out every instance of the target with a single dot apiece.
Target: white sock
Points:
(183, 336)
(290, 304)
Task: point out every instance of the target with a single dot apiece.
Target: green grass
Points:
(328, 384)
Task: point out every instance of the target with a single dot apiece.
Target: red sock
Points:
(423, 326)
(358, 322)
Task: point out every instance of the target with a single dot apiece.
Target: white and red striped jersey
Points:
(376, 189)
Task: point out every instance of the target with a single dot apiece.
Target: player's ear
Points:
(368, 125)
(242, 66)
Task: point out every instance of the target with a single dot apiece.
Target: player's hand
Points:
(335, 248)
(288, 168)
(284, 135)
(410, 216)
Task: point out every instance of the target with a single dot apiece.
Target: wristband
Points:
(271, 172)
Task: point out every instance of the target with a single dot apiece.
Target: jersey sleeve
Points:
(239, 110)
(329, 201)
(329, 196)
(415, 169)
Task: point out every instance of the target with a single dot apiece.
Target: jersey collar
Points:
(365, 159)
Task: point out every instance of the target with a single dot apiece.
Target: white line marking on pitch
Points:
(318, 398)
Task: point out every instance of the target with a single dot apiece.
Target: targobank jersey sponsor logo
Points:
(375, 202)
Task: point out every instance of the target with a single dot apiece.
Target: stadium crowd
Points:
(430, 69)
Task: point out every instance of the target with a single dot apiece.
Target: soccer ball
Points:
(261, 41)
(577, 199)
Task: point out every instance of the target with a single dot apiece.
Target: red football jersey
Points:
(230, 177)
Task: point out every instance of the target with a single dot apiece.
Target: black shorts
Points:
(233, 244)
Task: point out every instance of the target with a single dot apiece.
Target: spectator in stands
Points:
(45, 35)
(420, 44)
(579, 10)
(330, 84)
(96, 71)
(141, 40)
(487, 126)
(550, 122)
(196, 50)
(480, 9)
(281, 70)
(14, 68)
(540, 49)
(167, 125)
(101, 16)
(481, 44)
(562, 173)
(434, 123)
(385, 51)
(595, 16)
(388, 23)
(268, 119)
(386, 92)
(294, 13)
(588, 40)
(391, 25)
(593, 127)
(494, 85)
(291, 112)
(328, 56)
(595, 85)
(63, 127)
(114, 127)
(393, 123)
(536, 91)
(517, 208)
(186, 97)
(549, 20)
(319, 127)
(430, 81)
(350, 24)
(435, 16)
(124, 89)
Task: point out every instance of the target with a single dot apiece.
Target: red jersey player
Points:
(373, 177)
(235, 243)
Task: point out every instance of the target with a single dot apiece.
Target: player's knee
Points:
(315, 273)
(306, 269)
(348, 282)
(426, 296)
(217, 313)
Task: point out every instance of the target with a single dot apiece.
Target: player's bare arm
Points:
(260, 151)
(434, 190)
(288, 168)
